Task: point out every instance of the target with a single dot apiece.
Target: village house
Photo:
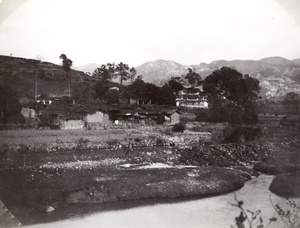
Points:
(29, 114)
(172, 117)
(62, 117)
(70, 116)
(147, 114)
(96, 120)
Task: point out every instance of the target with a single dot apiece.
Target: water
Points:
(213, 212)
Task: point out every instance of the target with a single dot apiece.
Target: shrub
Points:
(227, 111)
(202, 115)
(179, 127)
(83, 140)
(113, 142)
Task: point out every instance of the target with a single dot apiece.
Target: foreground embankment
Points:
(64, 179)
(212, 212)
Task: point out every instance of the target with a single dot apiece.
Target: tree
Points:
(132, 73)
(241, 91)
(232, 85)
(166, 95)
(112, 96)
(193, 77)
(66, 65)
(105, 72)
(175, 84)
(137, 90)
(153, 93)
(122, 71)
(101, 88)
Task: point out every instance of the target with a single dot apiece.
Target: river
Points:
(213, 212)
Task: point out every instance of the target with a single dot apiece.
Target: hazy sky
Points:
(136, 31)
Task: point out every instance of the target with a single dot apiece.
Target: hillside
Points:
(20, 75)
(297, 61)
(160, 71)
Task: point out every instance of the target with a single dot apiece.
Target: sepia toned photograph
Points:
(153, 114)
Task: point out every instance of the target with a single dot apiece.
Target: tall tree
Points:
(232, 85)
(229, 84)
(122, 71)
(132, 73)
(66, 65)
(137, 90)
(193, 77)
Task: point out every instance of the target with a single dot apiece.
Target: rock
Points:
(50, 209)
(286, 185)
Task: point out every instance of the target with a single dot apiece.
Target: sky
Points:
(137, 31)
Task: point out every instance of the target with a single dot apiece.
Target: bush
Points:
(202, 115)
(227, 111)
(178, 127)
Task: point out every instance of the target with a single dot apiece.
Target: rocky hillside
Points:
(21, 75)
(160, 71)
(277, 75)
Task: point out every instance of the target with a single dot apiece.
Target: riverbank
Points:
(212, 212)
(62, 180)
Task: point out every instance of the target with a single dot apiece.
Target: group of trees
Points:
(139, 90)
(110, 71)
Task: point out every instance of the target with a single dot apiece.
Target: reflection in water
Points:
(214, 212)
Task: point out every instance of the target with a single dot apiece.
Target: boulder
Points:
(286, 185)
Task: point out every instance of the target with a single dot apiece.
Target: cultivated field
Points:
(31, 137)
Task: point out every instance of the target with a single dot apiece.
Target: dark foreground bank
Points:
(100, 180)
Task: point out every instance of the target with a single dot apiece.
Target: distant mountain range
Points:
(89, 68)
(277, 75)
(161, 70)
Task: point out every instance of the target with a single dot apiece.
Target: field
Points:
(32, 137)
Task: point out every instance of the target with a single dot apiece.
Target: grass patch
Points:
(35, 137)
